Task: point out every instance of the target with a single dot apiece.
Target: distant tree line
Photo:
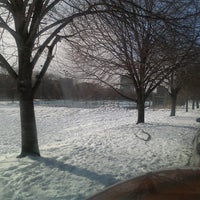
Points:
(67, 88)
(59, 88)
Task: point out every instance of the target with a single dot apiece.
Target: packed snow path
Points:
(85, 150)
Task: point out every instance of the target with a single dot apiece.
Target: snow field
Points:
(85, 150)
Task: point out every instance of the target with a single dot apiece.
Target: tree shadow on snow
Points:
(104, 179)
(170, 125)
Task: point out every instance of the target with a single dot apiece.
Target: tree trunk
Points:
(197, 104)
(173, 104)
(141, 113)
(193, 104)
(186, 105)
(29, 139)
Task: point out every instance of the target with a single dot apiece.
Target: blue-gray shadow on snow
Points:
(169, 125)
(104, 179)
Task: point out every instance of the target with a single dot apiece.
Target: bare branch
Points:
(4, 64)
(46, 64)
(5, 26)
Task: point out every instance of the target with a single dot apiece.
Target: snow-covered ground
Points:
(85, 150)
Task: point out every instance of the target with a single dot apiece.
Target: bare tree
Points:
(179, 76)
(29, 33)
(191, 83)
(132, 43)
(174, 84)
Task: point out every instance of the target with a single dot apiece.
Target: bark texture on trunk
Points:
(141, 114)
(173, 104)
(193, 104)
(197, 104)
(29, 139)
(186, 105)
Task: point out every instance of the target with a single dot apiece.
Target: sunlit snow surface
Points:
(85, 150)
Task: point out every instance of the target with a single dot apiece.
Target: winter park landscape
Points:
(56, 51)
(85, 150)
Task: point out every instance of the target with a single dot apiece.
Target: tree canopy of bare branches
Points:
(29, 32)
(136, 42)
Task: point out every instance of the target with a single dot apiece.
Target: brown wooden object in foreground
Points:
(179, 184)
